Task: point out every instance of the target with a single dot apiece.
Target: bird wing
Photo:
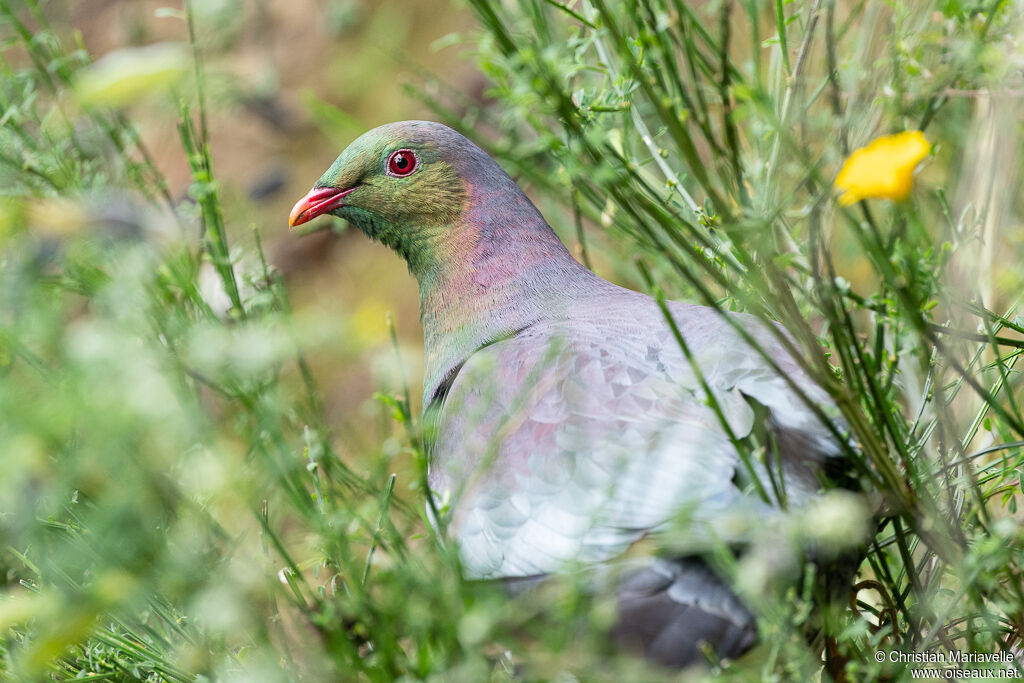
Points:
(574, 439)
(670, 608)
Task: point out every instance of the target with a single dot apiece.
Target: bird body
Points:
(567, 421)
(597, 431)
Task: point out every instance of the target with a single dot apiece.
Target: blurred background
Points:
(93, 92)
(290, 84)
(212, 467)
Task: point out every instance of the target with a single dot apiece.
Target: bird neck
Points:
(502, 269)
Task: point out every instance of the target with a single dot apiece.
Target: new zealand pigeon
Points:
(568, 422)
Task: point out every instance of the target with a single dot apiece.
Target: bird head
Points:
(402, 184)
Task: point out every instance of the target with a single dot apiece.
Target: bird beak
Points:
(319, 200)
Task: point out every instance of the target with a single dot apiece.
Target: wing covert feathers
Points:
(577, 437)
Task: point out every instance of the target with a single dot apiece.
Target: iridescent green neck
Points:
(487, 263)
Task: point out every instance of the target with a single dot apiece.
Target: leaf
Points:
(169, 13)
(128, 75)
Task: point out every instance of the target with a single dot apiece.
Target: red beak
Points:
(319, 200)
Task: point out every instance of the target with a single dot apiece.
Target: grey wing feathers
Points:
(575, 438)
(551, 463)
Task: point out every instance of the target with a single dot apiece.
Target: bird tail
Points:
(675, 612)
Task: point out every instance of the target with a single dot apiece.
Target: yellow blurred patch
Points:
(883, 169)
(370, 324)
(17, 609)
(11, 216)
(128, 75)
(56, 216)
(113, 586)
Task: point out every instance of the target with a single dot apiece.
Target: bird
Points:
(565, 421)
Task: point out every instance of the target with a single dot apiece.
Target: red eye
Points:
(402, 163)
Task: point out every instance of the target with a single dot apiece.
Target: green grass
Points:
(175, 506)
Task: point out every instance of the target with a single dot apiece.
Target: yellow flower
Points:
(883, 169)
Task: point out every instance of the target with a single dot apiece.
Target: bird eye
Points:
(402, 163)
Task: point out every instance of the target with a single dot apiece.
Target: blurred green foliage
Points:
(173, 503)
